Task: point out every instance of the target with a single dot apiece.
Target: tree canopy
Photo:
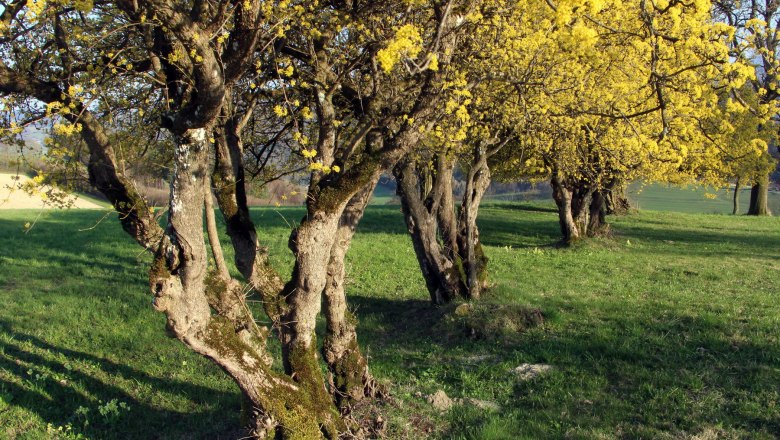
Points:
(583, 93)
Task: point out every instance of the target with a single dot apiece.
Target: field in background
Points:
(694, 199)
(658, 197)
(667, 330)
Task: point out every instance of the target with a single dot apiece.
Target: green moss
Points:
(159, 269)
(302, 415)
(460, 271)
(482, 263)
(308, 375)
(215, 287)
(348, 374)
(330, 197)
(274, 304)
(225, 194)
(221, 336)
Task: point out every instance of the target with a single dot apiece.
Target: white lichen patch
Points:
(198, 135)
(176, 204)
(250, 361)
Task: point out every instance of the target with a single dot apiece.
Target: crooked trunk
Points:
(205, 310)
(580, 208)
(616, 201)
(759, 196)
(350, 378)
(311, 242)
(471, 253)
(251, 258)
(442, 277)
(597, 224)
(445, 214)
(563, 200)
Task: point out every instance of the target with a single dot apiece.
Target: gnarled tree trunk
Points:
(470, 248)
(616, 201)
(574, 205)
(187, 293)
(448, 248)
(759, 196)
(597, 224)
(580, 206)
(420, 209)
(350, 378)
(563, 200)
(448, 226)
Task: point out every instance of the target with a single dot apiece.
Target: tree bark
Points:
(582, 195)
(229, 181)
(471, 254)
(311, 243)
(187, 293)
(442, 277)
(759, 196)
(563, 199)
(448, 228)
(616, 201)
(574, 201)
(350, 379)
(737, 189)
(597, 224)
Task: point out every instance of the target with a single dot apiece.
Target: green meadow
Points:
(695, 199)
(667, 329)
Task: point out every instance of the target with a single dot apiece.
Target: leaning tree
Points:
(357, 81)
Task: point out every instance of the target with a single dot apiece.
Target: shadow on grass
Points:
(762, 244)
(519, 206)
(54, 382)
(519, 231)
(56, 279)
(643, 373)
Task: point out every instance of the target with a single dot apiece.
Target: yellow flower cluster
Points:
(318, 166)
(407, 43)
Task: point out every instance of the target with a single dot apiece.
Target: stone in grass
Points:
(440, 400)
(526, 372)
(481, 404)
(463, 309)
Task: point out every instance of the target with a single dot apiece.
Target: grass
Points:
(667, 330)
(693, 199)
(658, 197)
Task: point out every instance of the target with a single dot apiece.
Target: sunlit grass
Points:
(666, 330)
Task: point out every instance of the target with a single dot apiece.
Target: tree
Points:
(622, 101)
(755, 42)
(741, 131)
(360, 66)
(554, 92)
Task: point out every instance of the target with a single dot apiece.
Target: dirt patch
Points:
(483, 320)
(440, 400)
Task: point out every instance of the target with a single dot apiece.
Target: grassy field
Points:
(693, 199)
(658, 197)
(669, 329)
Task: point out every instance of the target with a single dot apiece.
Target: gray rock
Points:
(529, 371)
(482, 404)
